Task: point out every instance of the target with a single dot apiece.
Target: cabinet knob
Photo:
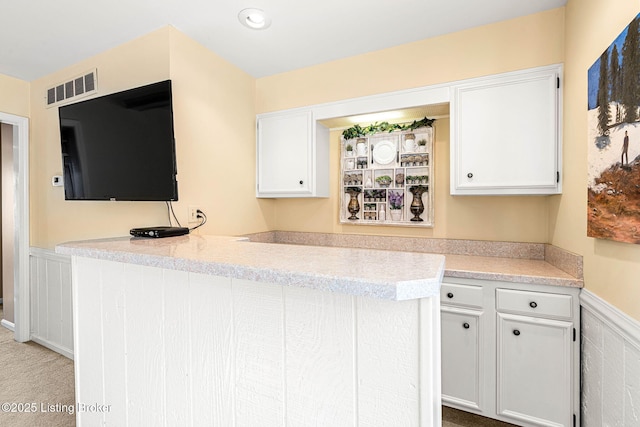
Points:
(465, 325)
(301, 182)
(469, 175)
(533, 304)
(516, 332)
(450, 295)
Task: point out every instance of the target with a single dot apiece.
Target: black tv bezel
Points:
(140, 198)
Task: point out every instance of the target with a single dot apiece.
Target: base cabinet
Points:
(461, 368)
(534, 370)
(510, 351)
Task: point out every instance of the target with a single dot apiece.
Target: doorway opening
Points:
(7, 184)
(16, 238)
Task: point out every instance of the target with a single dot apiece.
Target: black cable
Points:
(170, 210)
(204, 220)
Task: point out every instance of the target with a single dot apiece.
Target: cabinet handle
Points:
(449, 295)
(516, 332)
(301, 182)
(533, 304)
(465, 325)
(469, 175)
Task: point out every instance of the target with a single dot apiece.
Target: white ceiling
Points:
(38, 37)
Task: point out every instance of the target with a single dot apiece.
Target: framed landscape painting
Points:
(613, 181)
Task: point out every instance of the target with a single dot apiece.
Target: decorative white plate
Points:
(384, 152)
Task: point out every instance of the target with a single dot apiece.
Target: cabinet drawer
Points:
(534, 303)
(464, 295)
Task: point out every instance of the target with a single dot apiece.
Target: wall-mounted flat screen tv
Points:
(120, 146)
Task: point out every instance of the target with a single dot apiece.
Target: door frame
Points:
(21, 281)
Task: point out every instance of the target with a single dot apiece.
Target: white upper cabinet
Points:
(292, 155)
(293, 145)
(505, 136)
(505, 133)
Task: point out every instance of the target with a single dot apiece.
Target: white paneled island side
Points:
(220, 331)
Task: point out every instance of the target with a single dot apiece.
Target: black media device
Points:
(120, 146)
(158, 231)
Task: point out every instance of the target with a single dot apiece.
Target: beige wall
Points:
(531, 41)
(215, 140)
(215, 137)
(15, 96)
(216, 106)
(611, 269)
(54, 220)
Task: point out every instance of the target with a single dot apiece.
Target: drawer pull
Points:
(533, 304)
(516, 332)
(465, 325)
(301, 182)
(461, 295)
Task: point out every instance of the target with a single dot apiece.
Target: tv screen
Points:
(120, 146)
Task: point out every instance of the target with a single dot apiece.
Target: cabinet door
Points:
(461, 357)
(534, 370)
(284, 154)
(505, 135)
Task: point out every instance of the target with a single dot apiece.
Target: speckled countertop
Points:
(530, 271)
(530, 263)
(391, 275)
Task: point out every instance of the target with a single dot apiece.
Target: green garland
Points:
(358, 131)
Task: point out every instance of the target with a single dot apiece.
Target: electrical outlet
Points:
(193, 214)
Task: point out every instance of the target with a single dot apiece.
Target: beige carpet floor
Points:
(36, 385)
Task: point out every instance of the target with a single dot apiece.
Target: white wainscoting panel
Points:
(50, 301)
(165, 347)
(610, 365)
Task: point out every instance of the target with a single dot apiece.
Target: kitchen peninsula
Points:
(510, 315)
(205, 330)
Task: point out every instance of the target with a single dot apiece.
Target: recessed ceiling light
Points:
(255, 19)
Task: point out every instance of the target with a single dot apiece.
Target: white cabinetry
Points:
(534, 357)
(518, 360)
(463, 338)
(461, 343)
(292, 155)
(505, 133)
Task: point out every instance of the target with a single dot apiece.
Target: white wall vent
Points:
(82, 85)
